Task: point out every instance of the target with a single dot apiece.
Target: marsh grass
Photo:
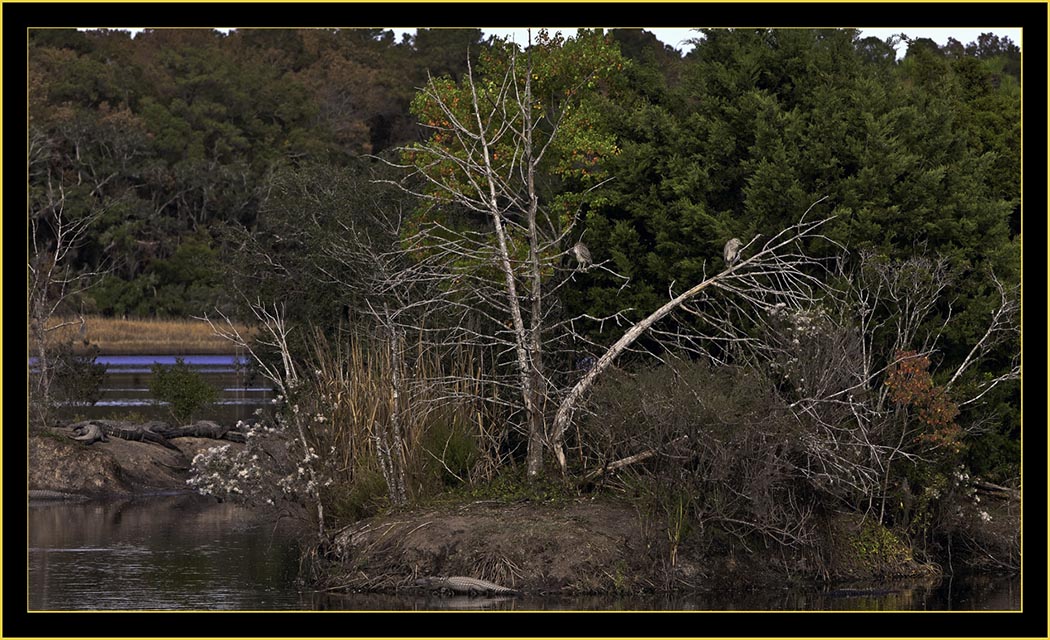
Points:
(430, 431)
(116, 336)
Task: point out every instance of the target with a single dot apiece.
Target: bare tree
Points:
(53, 283)
(834, 361)
(778, 275)
(1003, 325)
(486, 161)
(507, 274)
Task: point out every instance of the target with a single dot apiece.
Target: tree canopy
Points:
(196, 153)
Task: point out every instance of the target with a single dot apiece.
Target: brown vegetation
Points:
(592, 545)
(116, 336)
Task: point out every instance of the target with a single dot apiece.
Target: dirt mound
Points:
(116, 467)
(585, 546)
(593, 545)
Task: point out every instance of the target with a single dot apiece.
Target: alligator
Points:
(87, 433)
(47, 494)
(461, 584)
(90, 431)
(858, 593)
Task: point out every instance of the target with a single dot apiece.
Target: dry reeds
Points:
(116, 336)
(396, 410)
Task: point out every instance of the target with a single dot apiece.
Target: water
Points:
(159, 552)
(188, 552)
(126, 394)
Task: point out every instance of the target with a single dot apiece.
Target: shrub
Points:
(449, 451)
(77, 377)
(184, 389)
(725, 452)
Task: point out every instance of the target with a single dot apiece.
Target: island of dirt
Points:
(583, 546)
(60, 466)
(588, 544)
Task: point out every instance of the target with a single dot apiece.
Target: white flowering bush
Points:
(275, 467)
(811, 353)
(331, 449)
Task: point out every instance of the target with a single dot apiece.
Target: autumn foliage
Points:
(910, 384)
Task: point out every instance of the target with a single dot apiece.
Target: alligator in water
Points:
(47, 494)
(461, 584)
(859, 593)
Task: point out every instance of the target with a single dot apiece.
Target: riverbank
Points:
(594, 545)
(117, 336)
(59, 465)
(574, 544)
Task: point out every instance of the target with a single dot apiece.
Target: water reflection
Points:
(188, 552)
(166, 552)
(970, 593)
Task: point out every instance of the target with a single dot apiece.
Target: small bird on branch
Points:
(582, 253)
(731, 253)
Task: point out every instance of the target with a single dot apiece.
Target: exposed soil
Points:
(57, 463)
(582, 546)
(587, 545)
(590, 545)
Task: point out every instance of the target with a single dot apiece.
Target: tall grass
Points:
(116, 336)
(410, 415)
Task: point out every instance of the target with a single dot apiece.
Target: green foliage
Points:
(556, 81)
(449, 453)
(206, 155)
(723, 454)
(77, 376)
(513, 486)
(364, 497)
(877, 549)
(184, 389)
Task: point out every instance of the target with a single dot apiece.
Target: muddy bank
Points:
(60, 466)
(587, 546)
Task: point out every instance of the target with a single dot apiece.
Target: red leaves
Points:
(910, 383)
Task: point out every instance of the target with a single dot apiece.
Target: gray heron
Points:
(582, 253)
(732, 252)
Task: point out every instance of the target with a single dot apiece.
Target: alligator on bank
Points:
(88, 433)
(461, 584)
(859, 593)
(156, 432)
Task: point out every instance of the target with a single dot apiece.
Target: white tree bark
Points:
(768, 260)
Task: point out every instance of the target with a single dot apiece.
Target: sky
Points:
(677, 37)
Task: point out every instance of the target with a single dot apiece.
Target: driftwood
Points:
(156, 432)
(988, 487)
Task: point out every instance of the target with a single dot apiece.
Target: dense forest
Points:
(231, 173)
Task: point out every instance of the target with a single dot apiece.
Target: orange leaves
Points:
(910, 383)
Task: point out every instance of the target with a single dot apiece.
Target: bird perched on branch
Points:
(582, 253)
(732, 252)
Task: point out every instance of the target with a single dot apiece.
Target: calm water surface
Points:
(189, 552)
(158, 552)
